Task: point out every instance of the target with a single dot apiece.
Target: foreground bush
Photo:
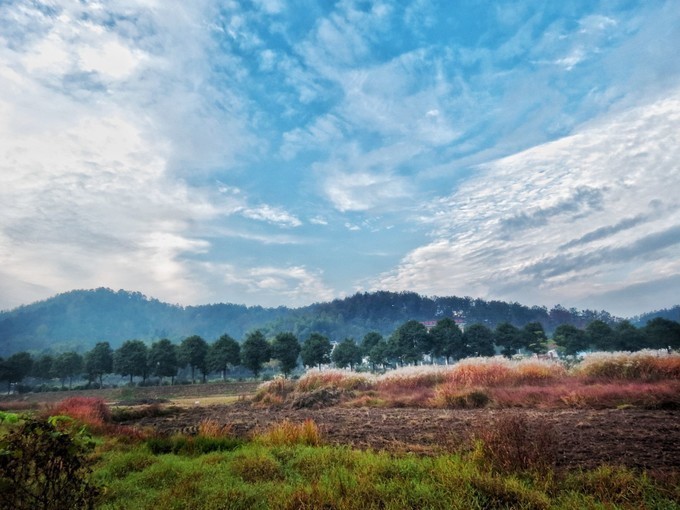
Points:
(45, 468)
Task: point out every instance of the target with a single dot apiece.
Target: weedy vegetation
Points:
(647, 379)
(74, 455)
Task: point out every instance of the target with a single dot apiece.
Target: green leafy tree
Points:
(409, 341)
(42, 367)
(508, 338)
(131, 359)
(99, 361)
(662, 333)
(447, 339)
(628, 337)
(66, 366)
(15, 368)
(534, 337)
(346, 354)
(316, 350)
(374, 347)
(286, 349)
(163, 359)
(370, 340)
(601, 336)
(478, 340)
(255, 352)
(570, 338)
(193, 351)
(223, 353)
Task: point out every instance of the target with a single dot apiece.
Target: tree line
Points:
(410, 343)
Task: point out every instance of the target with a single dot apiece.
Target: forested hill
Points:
(78, 319)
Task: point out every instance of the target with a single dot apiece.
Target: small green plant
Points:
(45, 468)
(8, 418)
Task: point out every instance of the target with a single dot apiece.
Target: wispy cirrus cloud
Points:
(277, 141)
(606, 191)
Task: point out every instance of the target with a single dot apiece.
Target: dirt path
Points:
(583, 438)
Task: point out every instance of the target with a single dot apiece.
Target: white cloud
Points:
(363, 191)
(269, 285)
(522, 230)
(271, 214)
(92, 143)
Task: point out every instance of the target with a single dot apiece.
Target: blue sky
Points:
(283, 153)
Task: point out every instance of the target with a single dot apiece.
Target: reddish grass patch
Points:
(576, 394)
(89, 411)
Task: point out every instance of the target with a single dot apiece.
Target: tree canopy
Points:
(286, 349)
(316, 350)
(255, 352)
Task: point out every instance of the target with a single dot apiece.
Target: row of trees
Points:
(410, 343)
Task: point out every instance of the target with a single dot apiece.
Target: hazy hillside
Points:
(78, 319)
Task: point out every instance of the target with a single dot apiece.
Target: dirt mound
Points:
(317, 399)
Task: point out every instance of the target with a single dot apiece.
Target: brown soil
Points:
(636, 438)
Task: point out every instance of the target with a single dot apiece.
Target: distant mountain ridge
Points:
(76, 320)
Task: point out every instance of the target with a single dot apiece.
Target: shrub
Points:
(511, 443)
(43, 468)
(453, 397)
(89, 411)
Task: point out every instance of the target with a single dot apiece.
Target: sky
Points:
(272, 153)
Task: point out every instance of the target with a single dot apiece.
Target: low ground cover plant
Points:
(287, 476)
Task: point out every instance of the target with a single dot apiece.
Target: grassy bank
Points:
(297, 476)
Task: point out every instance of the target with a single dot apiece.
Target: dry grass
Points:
(214, 429)
(513, 443)
(314, 380)
(289, 433)
(497, 371)
(412, 378)
(649, 379)
(644, 365)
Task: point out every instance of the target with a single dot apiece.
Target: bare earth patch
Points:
(638, 438)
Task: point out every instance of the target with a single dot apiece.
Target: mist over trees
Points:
(77, 320)
(412, 342)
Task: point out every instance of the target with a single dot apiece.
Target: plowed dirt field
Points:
(648, 439)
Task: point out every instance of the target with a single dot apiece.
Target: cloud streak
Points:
(608, 171)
